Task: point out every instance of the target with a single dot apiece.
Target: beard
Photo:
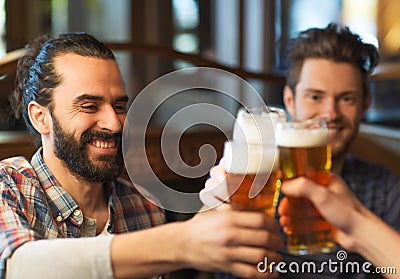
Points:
(102, 168)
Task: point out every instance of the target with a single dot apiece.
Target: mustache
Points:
(88, 135)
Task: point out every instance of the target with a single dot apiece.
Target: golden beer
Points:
(306, 153)
(239, 186)
(252, 176)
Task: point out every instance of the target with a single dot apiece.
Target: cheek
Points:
(122, 119)
(353, 115)
(78, 126)
(305, 111)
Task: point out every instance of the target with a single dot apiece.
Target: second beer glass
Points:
(304, 151)
(251, 160)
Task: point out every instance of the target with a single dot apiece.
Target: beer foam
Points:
(301, 137)
(254, 128)
(243, 158)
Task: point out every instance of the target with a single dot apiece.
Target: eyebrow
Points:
(316, 91)
(89, 97)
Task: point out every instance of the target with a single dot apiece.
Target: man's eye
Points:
(89, 108)
(315, 97)
(348, 100)
(120, 108)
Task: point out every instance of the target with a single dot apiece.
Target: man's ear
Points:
(40, 118)
(288, 100)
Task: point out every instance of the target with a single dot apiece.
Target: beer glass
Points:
(257, 124)
(304, 151)
(251, 160)
(252, 176)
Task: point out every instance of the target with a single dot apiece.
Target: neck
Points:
(338, 163)
(90, 197)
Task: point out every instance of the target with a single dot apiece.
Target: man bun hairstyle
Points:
(36, 76)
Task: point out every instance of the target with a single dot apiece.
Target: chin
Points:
(338, 151)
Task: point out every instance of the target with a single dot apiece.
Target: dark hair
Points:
(336, 43)
(36, 76)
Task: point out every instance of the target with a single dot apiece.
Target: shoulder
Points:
(367, 170)
(16, 169)
(19, 184)
(370, 182)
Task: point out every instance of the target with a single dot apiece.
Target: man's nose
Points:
(109, 120)
(330, 110)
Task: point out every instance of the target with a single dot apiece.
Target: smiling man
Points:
(66, 213)
(328, 77)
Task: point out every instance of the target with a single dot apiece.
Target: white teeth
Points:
(103, 144)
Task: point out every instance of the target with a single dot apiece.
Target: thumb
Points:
(300, 187)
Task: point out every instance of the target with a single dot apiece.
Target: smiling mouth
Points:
(334, 131)
(103, 143)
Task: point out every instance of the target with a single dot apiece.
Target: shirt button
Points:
(59, 218)
(77, 212)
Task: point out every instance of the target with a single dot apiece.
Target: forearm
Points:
(377, 241)
(140, 254)
(62, 258)
(146, 253)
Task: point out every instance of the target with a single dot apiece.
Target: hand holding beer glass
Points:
(304, 151)
(251, 161)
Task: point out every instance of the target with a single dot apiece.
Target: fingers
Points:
(210, 200)
(285, 223)
(333, 201)
(299, 187)
(218, 173)
(254, 229)
(283, 211)
(254, 220)
(234, 242)
(334, 195)
(234, 228)
(214, 194)
(304, 187)
(215, 191)
(283, 208)
(258, 238)
(250, 260)
(218, 187)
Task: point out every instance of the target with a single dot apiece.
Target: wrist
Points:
(183, 253)
(365, 222)
(177, 236)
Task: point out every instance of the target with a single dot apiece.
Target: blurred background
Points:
(245, 37)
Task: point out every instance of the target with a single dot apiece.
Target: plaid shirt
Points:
(34, 206)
